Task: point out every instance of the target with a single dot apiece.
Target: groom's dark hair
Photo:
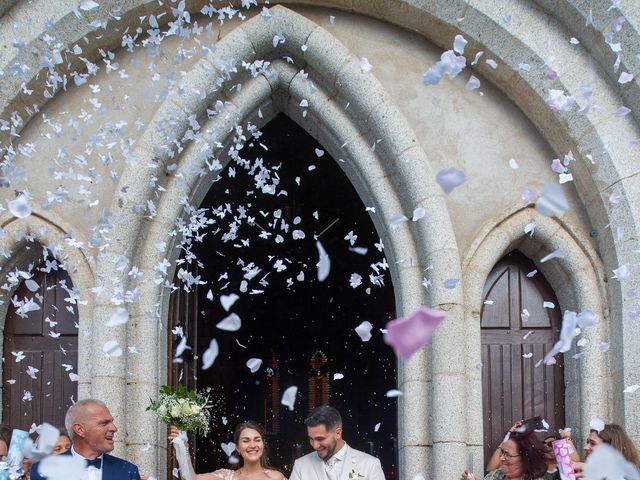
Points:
(324, 415)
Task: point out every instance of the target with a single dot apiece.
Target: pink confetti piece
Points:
(408, 334)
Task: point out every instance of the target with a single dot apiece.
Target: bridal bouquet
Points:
(187, 410)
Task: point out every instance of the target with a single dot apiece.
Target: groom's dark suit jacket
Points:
(113, 468)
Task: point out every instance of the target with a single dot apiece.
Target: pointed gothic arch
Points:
(384, 177)
(575, 278)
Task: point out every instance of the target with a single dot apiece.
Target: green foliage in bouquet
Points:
(186, 409)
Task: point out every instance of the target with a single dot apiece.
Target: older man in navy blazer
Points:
(91, 427)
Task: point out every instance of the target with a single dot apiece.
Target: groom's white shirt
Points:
(357, 466)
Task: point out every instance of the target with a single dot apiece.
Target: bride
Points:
(253, 463)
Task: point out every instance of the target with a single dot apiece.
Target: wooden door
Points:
(516, 385)
(48, 340)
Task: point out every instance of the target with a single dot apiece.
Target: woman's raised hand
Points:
(468, 476)
(173, 432)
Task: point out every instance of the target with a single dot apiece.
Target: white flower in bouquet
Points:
(188, 410)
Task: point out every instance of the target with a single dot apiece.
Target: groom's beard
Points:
(328, 451)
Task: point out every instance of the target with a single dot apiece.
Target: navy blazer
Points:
(113, 468)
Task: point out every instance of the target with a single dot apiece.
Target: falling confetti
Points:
(408, 334)
(450, 178)
(254, 364)
(231, 323)
(210, 354)
(289, 397)
(112, 349)
(364, 331)
(324, 264)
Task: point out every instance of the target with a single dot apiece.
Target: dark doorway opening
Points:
(302, 329)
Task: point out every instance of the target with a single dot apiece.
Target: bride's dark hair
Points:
(264, 459)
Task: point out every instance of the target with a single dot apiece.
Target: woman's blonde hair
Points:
(614, 435)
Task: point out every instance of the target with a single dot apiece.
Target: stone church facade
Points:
(394, 135)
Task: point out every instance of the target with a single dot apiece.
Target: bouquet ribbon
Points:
(182, 455)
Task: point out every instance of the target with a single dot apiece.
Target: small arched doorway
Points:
(40, 349)
(262, 247)
(520, 323)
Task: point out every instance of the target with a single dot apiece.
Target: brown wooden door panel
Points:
(46, 346)
(513, 387)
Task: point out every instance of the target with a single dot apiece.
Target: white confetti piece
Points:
(450, 178)
(555, 254)
(586, 319)
(19, 356)
(74, 377)
(631, 389)
(559, 102)
(88, 5)
(231, 323)
(338, 376)
(319, 152)
(377, 427)
(513, 163)
(524, 315)
(473, 83)
(181, 347)
(254, 364)
(603, 347)
(529, 228)
(364, 331)
(289, 397)
(459, 42)
(625, 78)
(324, 264)
(451, 283)
(355, 280)
(32, 285)
(621, 273)
(112, 349)
(596, 424)
(527, 355)
(548, 305)
(228, 448)
(396, 219)
(532, 273)
(20, 206)
(120, 316)
(365, 65)
(62, 467)
(492, 63)
(418, 213)
(393, 393)
(210, 354)
(227, 301)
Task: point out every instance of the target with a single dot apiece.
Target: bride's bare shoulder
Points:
(275, 474)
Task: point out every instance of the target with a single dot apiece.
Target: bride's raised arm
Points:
(217, 475)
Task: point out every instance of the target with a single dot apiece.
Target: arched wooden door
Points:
(40, 350)
(516, 384)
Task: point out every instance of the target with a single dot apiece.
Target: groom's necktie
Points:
(96, 463)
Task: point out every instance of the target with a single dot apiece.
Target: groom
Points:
(91, 427)
(333, 459)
